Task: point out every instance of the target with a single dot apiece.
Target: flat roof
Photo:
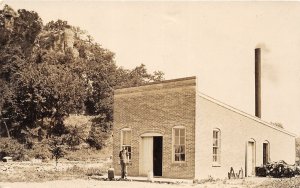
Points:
(159, 82)
(181, 82)
(216, 102)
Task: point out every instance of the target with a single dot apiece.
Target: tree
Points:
(11, 61)
(27, 26)
(48, 91)
(17, 34)
(56, 148)
(48, 72)
(5, 103)
(74, 137)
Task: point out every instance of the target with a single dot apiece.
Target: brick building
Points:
(175, 131)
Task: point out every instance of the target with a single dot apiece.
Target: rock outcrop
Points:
(59, 41)
(9, 16)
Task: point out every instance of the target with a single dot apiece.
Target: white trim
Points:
(121, 137)
(218, 162)
(151, 134)
(251, 140)
(121, 141)
(173, 143)
(179, 127)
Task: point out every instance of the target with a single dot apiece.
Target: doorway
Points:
(251, 161)
(151, 155)
(266, 152)
(157, 156)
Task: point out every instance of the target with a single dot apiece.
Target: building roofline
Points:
(243, 113)
(159, 82)
(200, 94)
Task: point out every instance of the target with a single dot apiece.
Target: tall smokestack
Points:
(257, 82)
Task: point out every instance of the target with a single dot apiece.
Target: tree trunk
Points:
(7, 129)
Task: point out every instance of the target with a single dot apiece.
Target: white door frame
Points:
(250, 159)
(149, 136)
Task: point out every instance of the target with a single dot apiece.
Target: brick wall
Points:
(157, 108)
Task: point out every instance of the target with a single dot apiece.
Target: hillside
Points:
(56, 86)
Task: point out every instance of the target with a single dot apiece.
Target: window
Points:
(126, 141)
(216, 147)
(179, 144)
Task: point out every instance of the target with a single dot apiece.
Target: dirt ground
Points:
(65, 183)
(85, 184)
(91, 183)
(107, 184)
(84, 174)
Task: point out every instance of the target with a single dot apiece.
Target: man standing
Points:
(123, 162)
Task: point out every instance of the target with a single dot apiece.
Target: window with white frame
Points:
(179, 144)
(126, 140)
(216, 147)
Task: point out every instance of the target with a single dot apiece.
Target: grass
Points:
(89, 154)
(81, 163)
(42, 172)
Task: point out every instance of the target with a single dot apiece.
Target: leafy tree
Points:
(45, 77)
(100, 132)
(5, 103)
(56, 148)
(48, 91)
(27, 26)
(16, 41)
(11, 61)
(74, 137)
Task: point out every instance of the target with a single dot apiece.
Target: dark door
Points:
(157, 155)
(265, 153)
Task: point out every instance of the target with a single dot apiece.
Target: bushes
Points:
(278, 169)
(81, 132)
(73, 138)
(40, 150)
(12, 148)
(99, 133)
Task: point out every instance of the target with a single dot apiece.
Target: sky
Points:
(214, 41)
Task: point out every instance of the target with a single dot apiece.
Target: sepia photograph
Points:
(162, 94)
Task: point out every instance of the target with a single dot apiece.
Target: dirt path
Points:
(92, 183)
(87, 184)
